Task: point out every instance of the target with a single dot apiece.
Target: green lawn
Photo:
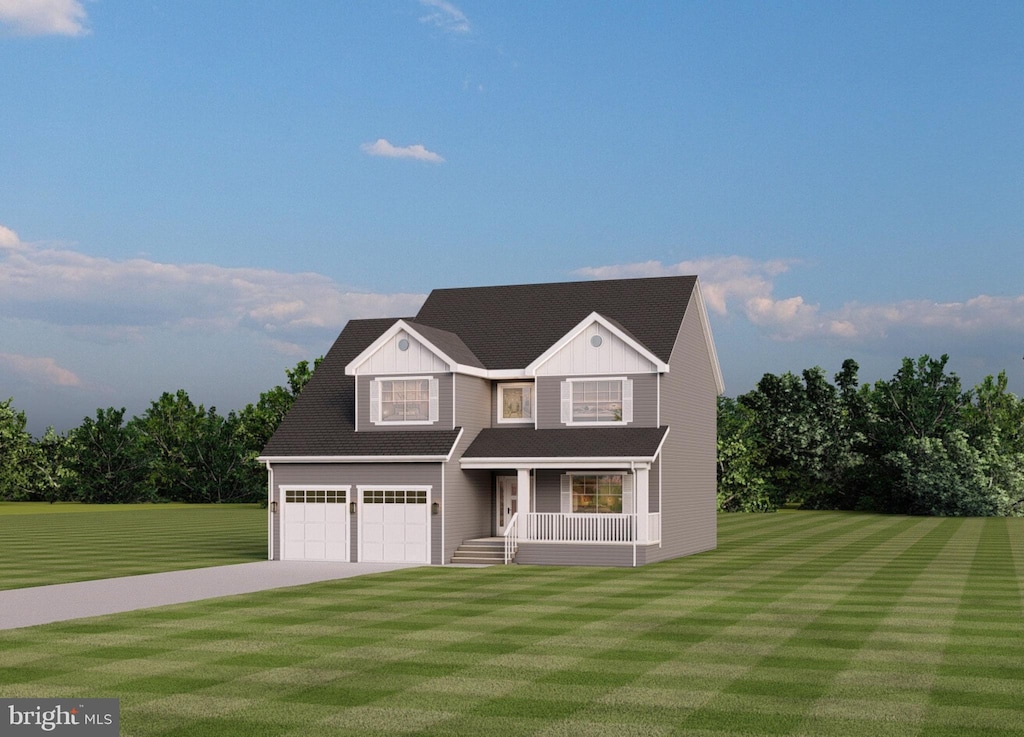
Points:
(57, 543)
(801, 623)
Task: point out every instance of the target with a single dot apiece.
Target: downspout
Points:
(444, 508)
(270, 512)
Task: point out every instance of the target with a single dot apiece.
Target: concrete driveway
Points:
(44, 604)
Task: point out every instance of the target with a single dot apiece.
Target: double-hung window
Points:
(605, 401)
(410, 400)
(515, 402)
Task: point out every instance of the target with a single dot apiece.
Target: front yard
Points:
(57, 543)
(801, 623)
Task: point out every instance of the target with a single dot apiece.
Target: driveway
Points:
(44, 604)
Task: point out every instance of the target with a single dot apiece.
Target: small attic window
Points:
(596, 341)
(403, 344)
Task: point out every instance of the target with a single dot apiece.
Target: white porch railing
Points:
(511, 537)
(591, 528)
(654, 527)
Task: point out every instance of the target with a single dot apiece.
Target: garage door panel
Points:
(316, 524)
(394, 526)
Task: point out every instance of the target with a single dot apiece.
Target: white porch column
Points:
(642, 499)
(523, 499)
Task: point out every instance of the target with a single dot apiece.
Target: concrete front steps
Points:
(482, 551)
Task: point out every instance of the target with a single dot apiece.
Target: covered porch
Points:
(607, 493)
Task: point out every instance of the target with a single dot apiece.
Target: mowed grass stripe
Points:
(817, 623)
(57, 546)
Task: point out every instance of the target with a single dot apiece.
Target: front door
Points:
(505, 501)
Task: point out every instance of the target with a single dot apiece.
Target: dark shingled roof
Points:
(508, 327)
(582, 442)
(321, 422)
(503, 327)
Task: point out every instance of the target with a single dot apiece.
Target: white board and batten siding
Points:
(391, 359)
(580, 357)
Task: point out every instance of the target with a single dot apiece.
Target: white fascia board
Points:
(548, 462)
(402, 325)
(702, 312)
(355, 459)
(593, 317)
(399, 326)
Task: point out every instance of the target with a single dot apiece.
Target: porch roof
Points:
(595, 447)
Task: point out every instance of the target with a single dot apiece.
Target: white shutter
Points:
(566, 402)
(566, 495)
(375, 401)
(627, 400)
(433, 400)
(627, 494)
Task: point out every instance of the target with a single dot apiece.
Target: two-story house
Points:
(574, 421)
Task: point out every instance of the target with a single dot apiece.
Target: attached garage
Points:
(316, 524)
(394, 525)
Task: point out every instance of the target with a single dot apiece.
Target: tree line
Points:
(918, 443)
(174, 451)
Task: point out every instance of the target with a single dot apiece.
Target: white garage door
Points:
(394, 526)
(315, 524)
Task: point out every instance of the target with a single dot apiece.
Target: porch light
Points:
(435, 508)
(273, 507)
(351, 507)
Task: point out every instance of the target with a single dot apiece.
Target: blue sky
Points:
(198, 195)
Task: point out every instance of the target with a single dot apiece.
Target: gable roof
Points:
(507, 327)
(321, 423)
(446, 346)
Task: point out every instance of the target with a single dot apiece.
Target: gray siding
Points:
(689, 408)
(468, 505)
(645, 401)
(561, 554)
(359, 474)
(444, 406)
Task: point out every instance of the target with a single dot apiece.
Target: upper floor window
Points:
(409, 400)
(515, 402)
(597, 401)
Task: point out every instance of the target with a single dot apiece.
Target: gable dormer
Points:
(596, 346)
(407, 347)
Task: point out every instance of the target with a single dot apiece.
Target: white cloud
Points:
(119, 300)
(39, 369)
(734, 283)
(44, 17)
(383, 147)
(445, 16)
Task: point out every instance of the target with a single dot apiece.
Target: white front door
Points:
(505, 502)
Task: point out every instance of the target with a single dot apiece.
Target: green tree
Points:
(192, 454)
(17, 454)
(743, 481)
(104, 461)
(802, 423)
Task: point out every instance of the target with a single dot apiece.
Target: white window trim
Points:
(627, 412)
(628, 487)
(501, 404)
(433, 389)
